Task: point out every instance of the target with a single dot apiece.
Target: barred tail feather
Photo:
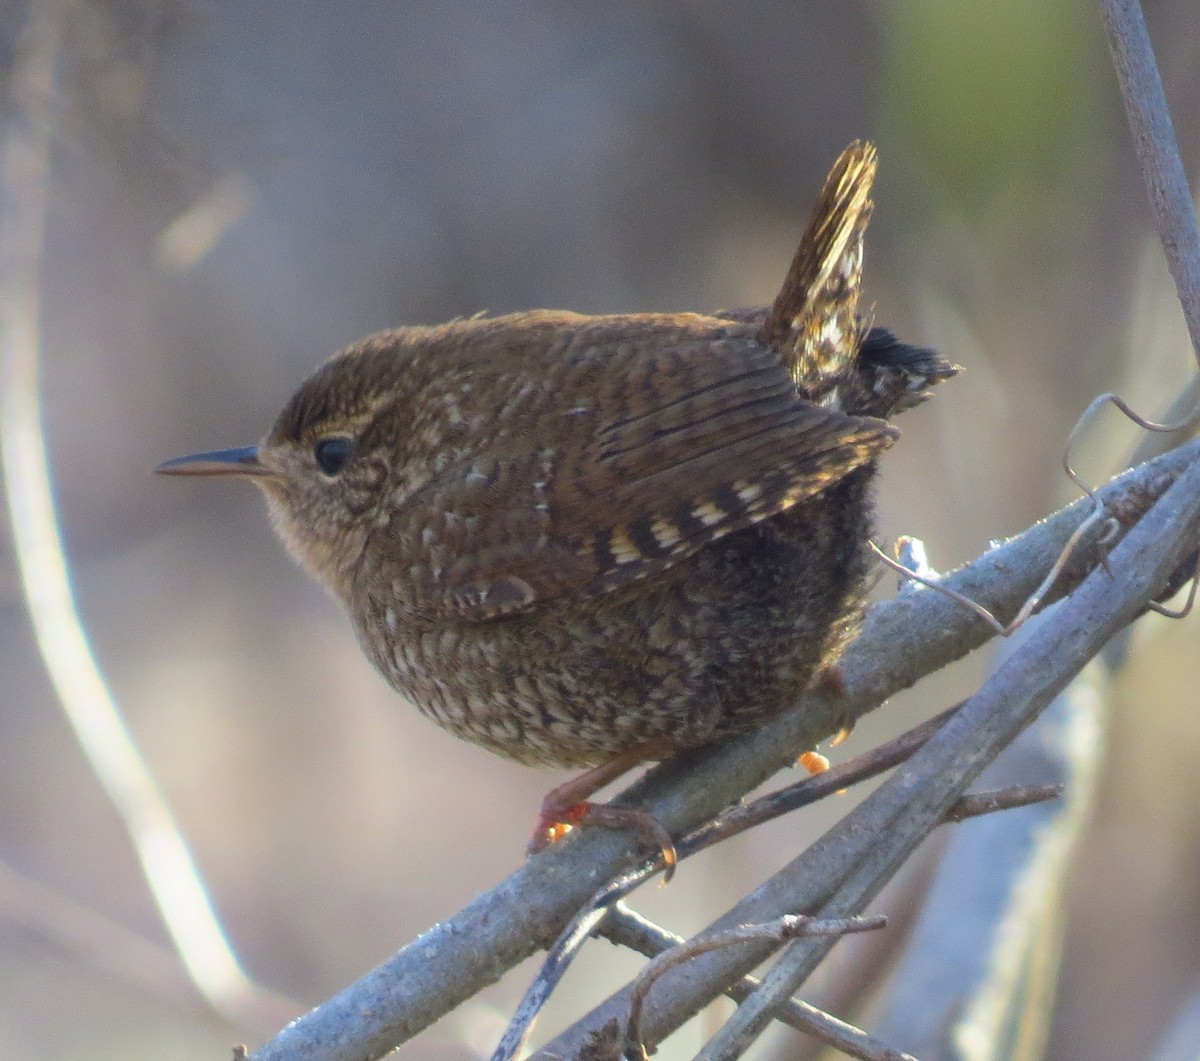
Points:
(813, 323)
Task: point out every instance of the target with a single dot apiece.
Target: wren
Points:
(595, 540)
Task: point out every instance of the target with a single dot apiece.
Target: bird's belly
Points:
(711, 647)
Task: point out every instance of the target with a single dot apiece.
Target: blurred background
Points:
(239, 189)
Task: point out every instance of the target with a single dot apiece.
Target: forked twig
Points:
(630, 929)
(1090, 414)
(903, 638)
(1098, 515)
(779, 931)
(604, 914)
(626, 927)
(592, 915)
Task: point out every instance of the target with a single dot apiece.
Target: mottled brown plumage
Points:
(566, 537)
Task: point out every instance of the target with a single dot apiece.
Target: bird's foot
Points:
(568, 806)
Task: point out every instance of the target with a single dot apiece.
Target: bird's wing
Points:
(639, 454)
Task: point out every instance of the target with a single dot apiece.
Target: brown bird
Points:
(593, 541)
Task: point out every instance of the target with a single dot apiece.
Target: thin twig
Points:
(776, 932)
(1189, 601)
(869, 764)
(630, 929)
(917, 570)
(626, 926)
(902, 639)
(1168, 428)
(558, 958)
(909, 574)
(592, 916)
(1092, 411)
(976, 804)
(86, 700)
(1035, 599)
(1177, 412)
(878, 835)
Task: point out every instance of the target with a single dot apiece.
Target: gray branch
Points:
(981, 964)
(839, 874)
(1157, 151)
(903, 639)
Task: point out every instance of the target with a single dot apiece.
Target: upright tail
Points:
(814, 322)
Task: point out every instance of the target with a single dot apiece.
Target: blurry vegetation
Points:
(1000, 107)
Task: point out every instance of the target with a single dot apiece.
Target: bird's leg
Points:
(568, 805)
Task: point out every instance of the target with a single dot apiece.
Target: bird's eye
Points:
(332, 454)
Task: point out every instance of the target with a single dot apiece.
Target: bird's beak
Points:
(231, 462)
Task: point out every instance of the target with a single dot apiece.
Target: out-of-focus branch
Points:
(88, 936)
(981, 964)
(1180, 1036)
(89, 706)
(1157, 151)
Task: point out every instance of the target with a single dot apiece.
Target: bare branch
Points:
(975, 804)
(630, 929)
(782, 929)
(604, 909)
(875, 838)
(1157, 151)
(980, 961)
(902, 639)
(624, 926)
